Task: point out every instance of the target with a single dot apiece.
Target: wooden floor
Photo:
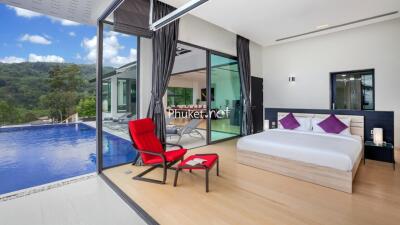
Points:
(245, 195)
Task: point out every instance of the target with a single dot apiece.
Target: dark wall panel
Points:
(381, 119)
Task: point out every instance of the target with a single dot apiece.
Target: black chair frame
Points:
(165, 165)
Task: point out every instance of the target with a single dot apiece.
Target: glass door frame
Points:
(102, 20)
(209, 54)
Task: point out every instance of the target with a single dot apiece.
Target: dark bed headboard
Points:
(372, 119)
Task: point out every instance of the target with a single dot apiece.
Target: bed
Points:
(329, 160)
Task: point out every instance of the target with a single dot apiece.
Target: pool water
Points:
(36, 155)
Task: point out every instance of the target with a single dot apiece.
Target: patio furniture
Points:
(125, 118)
(142, 133)
(189, 129)
(168, 120)
(210, 160)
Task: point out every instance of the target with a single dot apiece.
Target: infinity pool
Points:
(36, 155)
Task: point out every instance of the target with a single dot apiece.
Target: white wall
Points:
(200, 32)
(311, 60)
(256, 59)
(146, 61)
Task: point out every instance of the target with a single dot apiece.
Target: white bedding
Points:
(329, 150)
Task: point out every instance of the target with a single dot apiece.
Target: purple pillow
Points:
(332, 125)
(289, 122)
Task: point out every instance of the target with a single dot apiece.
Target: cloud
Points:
(63, 22)
(90, 47)
(30, 14)
(11, 59)
(36, 39)
(72, 34)
(111, 50)
(24, 13)
(121, 60)
(113, 33)
(48, 58)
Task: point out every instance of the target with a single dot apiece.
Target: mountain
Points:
(23, 83)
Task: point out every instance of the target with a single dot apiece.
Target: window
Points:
(122, 95)
(106, 96)
(179, 96)
(353, 90)
(126, 95)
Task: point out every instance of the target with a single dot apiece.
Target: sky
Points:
(28, 36)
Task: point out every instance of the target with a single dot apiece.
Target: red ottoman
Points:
(210, 160)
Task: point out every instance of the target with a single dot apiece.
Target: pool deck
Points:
(88, 202)
(117, 133)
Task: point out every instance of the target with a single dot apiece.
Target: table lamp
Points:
(378, 136)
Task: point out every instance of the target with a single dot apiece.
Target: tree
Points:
(63, 96)
(87, 107)
(8, 114)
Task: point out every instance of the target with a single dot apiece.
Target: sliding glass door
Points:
(119, 100)
(224, 98)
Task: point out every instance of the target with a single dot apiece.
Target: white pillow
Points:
(305, 124)
(317, 129)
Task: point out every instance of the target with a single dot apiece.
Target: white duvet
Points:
(329, 150)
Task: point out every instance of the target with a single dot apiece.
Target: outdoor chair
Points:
(189, 129)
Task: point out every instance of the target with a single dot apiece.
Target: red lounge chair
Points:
(151, 150)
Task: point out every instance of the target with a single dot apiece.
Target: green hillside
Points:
(24, 85)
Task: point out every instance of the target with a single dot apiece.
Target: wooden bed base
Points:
(324, 176)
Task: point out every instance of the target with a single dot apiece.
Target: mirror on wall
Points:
(353, 90)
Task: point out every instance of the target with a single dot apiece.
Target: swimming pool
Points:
(36, 155)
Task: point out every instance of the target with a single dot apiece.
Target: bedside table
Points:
(384, 153)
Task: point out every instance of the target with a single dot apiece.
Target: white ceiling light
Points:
(323, 26)
(176, 14)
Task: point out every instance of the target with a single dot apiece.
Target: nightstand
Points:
(384, 152)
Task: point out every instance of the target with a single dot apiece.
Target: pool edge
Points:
(44, 187)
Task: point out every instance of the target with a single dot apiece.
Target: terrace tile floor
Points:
(85, 202)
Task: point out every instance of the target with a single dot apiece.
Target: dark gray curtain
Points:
(165, 41)
(243, 53)
(132, 17)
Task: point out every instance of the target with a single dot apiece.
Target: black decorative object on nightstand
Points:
(384, 152)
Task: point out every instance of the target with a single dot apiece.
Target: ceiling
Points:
(194, 59)
(80, 11)
(193, 51)
(262, 21)
(199, 76)
(265, 21)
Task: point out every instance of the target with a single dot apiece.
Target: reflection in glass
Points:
(353, 90)
(122, 90)
(118, 95)
(106, 96)
(179, 96)
(225, 83)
